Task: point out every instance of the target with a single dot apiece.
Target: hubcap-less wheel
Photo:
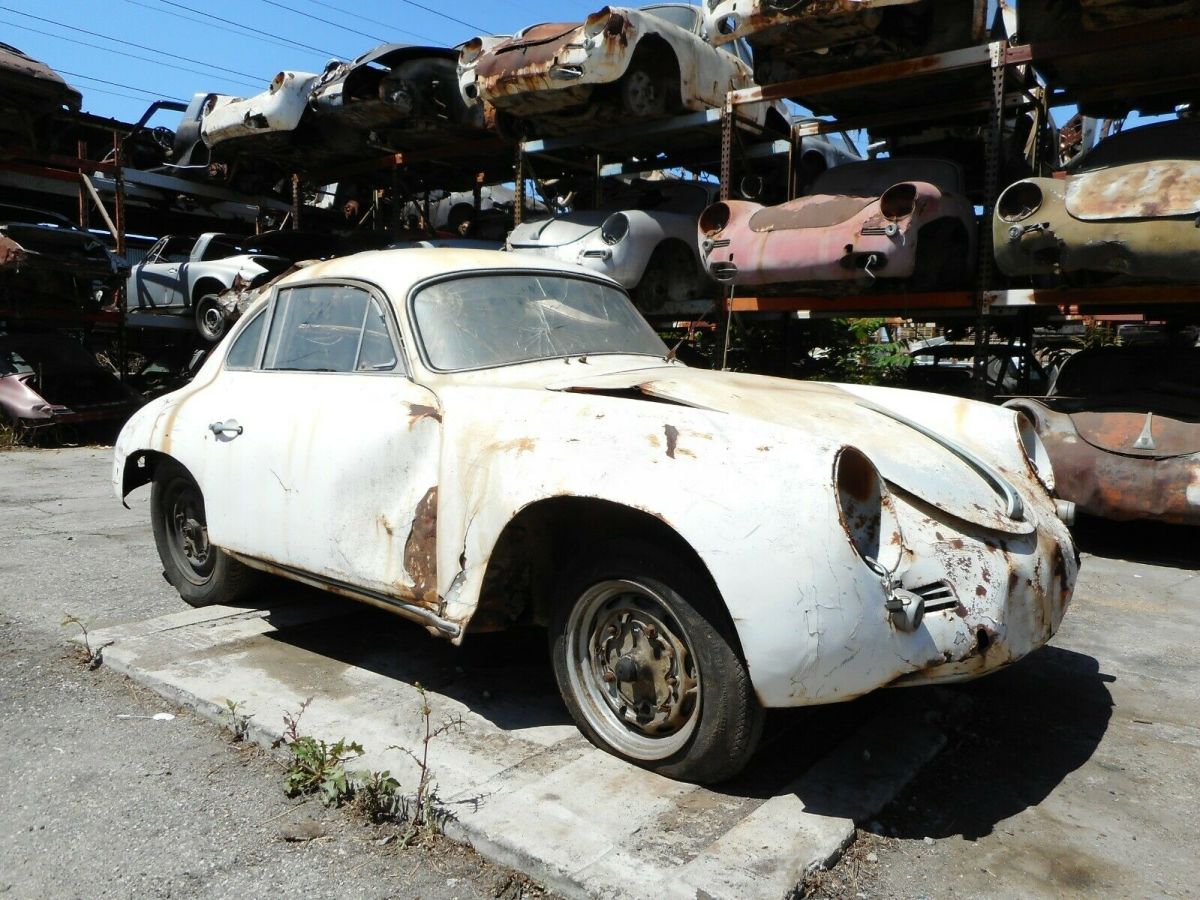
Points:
(187, 533)
(631, 666)
(642, 94)
(210, 319)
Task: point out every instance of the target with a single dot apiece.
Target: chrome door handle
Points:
(223, 429)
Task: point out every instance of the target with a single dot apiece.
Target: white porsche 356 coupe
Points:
(472, 439)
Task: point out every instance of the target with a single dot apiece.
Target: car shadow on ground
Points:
(1011, 741)
(1151, 543)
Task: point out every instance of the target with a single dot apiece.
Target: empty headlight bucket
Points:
(898, 201)
(1019, 201)
(469, 52)
(866, 510)
(615, 228)
(1033, 449)
(714, 219)
(597, 21)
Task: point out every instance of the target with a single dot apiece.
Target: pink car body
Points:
(879, 219)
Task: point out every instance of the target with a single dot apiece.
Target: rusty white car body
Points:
(879, 219)
(642, 238)
(472, 439)
(1124, 210)
(276, 111)
(641, 62)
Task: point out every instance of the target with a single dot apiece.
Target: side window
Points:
(328, 328)
(244, 352)
(176, 250)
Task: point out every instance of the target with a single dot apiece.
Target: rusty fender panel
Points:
(524, 66)
(12, 254)
(1121, 487)
(1051, 241)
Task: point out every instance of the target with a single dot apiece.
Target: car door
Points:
(157, 281)
(324, 453)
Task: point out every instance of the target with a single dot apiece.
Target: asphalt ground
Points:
(1069, 774)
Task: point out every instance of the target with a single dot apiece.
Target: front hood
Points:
(1138, 434)
(816, 211)
(1145, 190)
(557, 232)
(913, 461)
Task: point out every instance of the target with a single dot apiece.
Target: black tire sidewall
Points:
(730, 716)
(201, 305)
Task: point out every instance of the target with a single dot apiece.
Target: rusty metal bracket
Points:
(991, 186)
(726, 148)
(519, 187)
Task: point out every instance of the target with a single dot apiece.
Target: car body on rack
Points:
(620, 62)
(1122, 428)
(643, 237)
(1125, 210)
(884, 219)
(474, 439)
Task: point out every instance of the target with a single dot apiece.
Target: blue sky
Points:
(196, 46)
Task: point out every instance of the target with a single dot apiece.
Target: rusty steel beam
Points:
(814, 127)
(967, 58)
(896, 303)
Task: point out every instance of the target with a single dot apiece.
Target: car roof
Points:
(396, 271)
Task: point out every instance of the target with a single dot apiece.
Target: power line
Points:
(106, 37)
(257, 31)
(200, 21)
(128, 87)
(363, 18)
(297, 12)
(444, 16)
(157, 62)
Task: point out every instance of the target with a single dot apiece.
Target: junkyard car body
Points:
(1122, 428)
(644, 238)
(45, 260)
(31, 96)
(643, 62)
(182, 275)
(1124, 210)
(501, 390)
(396, 94)
(889, 218)
(48, 379)
(272, 115)
(797, 38)
(1152, 75)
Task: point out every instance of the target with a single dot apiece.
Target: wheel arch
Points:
(660, 55)
(545, 535)
(140, 466)
(206, 284)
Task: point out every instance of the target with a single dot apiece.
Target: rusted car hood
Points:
(818, 211)
(904, 456)
(1138, 434)
(1147, 190)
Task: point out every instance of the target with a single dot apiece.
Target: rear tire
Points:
(648, 666)
(203, 574)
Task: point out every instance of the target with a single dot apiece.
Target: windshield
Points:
(25, 216)
(481, 321)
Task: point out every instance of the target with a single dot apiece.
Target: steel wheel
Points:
(210, 318)
(187, 533)
(642, 94)
(632, 668)
(201, 572)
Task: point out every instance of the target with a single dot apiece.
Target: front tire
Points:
(648, 667)
(203, 574)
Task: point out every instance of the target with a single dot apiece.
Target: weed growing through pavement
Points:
(92, 656)
(317, 767)
(425, 814)
(238, 723)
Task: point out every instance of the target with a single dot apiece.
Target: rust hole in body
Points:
(417, 412)
(420, 550)
(672, 434)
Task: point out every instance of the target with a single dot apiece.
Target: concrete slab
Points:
(523, 785)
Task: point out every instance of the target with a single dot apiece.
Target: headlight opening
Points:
(866, 511)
